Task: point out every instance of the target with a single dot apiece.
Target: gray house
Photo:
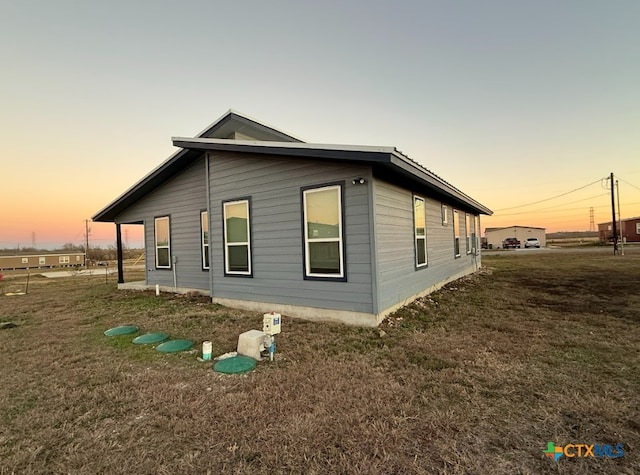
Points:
(260, 220)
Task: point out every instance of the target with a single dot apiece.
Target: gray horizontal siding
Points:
(398, 278)
(181, 198)
(274, 183)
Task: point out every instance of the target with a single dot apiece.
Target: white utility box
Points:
(271, 323)
(251, 343)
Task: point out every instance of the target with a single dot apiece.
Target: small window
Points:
(63, 259)
(42, 260)
(323, 235)
(25, 260)
(445, 215)
(163, 243)
(474, 235)
(637, 228)
(479, 233)
(419, 229)
(204, 237)
(467, 231)
(456, 233)
(237, 238)
(77, 258)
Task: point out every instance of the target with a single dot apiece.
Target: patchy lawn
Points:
(475, 378)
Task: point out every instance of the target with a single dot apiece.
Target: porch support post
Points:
(119, 252)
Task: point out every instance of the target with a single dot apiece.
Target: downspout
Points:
(119, 253)
(207, 186)
(174, 262)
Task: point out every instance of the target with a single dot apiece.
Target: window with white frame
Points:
(323, 233)
(445, 215)
(25, 260)
(204, 238)
(467, 231)
(163, 242)
(63, 259)
(637, 228)
(419, 231)
(474, 238)
(42, 261)
(237, 238)
(478, 234)
(456, 233)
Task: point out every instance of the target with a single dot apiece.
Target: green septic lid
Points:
(121, 330)
(173, 346)
(235, 365)
(149, 338)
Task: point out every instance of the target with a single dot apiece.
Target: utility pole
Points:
(613, 215)
(620, 220)
(592, 223)
(86, 249)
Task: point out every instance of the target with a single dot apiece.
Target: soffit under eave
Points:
(410, 181)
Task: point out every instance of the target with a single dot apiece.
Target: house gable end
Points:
(236, 126)
(232, 125)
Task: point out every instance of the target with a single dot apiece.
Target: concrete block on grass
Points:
(251, 343)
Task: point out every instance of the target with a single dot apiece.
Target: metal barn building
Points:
(495, 236)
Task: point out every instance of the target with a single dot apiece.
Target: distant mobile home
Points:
(496, 236)
(260, 220)
(630, 231)
(41, 261)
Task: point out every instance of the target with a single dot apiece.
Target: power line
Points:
(561, 210)
(553, 197)
(627, 183)
(552, 207)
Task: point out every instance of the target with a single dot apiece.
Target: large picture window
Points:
(163, 243)
(456, 233)
(323, 234)
(419, 231)
(237, 238)
(204, 237)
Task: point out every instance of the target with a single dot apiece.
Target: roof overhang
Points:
(387, 159)
(167, 169)
(231, 121)
(386, 162)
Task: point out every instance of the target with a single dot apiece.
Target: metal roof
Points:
(388, 162)
(229, 122)
(387, 158)
(509, 227)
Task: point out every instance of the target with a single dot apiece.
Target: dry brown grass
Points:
(475, 378)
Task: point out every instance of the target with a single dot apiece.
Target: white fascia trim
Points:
(292, 145)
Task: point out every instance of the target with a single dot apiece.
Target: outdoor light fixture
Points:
(358, 181)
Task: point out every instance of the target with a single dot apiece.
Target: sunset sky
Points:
(512, 102)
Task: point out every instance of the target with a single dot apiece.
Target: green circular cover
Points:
(235, 365)
(121, 330)
(149, 338)
(173, 346)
